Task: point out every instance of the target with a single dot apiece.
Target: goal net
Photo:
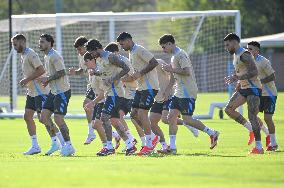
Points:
(200, 33)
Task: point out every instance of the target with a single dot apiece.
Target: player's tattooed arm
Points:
(115, 60)
(57, 75)
(250, 64)
(152, 64)
(268, 79)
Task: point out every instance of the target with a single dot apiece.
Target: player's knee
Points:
(165, 119)
(171, 118)
(105, 117)
(58, 119)
(43, 118)
(228, 110)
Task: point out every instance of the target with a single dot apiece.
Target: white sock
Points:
(273, 140)
(68, 143)
(129, 135)
(148, 141)
(91, 129)
(248, 126)
(34, 141)
(109, 145)
(129, 143)
(258, 145)
(54, 139)
(173, 142)
(164, 145)
(104, 145)
(60, 137)
(209, 131)
(115, 134)
(152, 135)
(143, 141)
(265, 130)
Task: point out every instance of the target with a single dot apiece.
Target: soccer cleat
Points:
(117, 142)
(103, 152)
(164, 151)
(173, 151)
(134, 142)
(272, 148)
(55, 146)
(267, 140)
(256, 151)
(130, 151)
(67, 150)
(111, 151)
(214, 139)
(155, 141)
(89, 139)
(251, 138)
(145, 151)
(33, 150)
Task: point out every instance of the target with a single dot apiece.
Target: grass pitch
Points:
(228, 165)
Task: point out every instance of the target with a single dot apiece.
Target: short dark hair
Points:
(123, 36)
(80, 41)
(48, 38)
(112, 47)
(254, 43)
(232, 36)
(88, 56)
(19, 37)
(166, 38)
(93, 44)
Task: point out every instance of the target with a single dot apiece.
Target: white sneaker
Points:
(67, 150)
(90, 138)
(33, 150)
(55, 146)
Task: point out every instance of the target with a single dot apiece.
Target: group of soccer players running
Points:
(136, 85)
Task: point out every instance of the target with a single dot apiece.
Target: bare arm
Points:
(115, 60)
(185, 71)
(37, 73)
(169, 87)
(250, 64)
(57, 75)
(152, 64)
(268, 79)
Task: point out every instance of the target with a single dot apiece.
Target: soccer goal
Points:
(201, 33)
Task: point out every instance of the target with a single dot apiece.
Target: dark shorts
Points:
(267, 104)
(157, 107)
(90, 94)
(98, 111)
(144, 99)
(250, 91)
(35, 103)
(125, 105)
(112, 106)
(57, 103)
(186, 106)
(166, 105)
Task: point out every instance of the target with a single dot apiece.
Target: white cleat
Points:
(90, 138)
(67, 150)
(32, 151)
(55, 146)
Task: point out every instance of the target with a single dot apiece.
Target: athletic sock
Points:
(129, 135)
(109, 145)
(248, 126)
(173, 141)
(265, 130)
(90, 129)
(60, 137)
(273, 140)
(148, 141)
(209, 131)
(258, 145)
(143, 141)
(34, 141)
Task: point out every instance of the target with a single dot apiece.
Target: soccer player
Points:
(268, 98)
(90, 95)
(145, 73)
(32, 69)
(183, 101)
(250, 88)
(58, 98)
(111, 70)
(160, 108)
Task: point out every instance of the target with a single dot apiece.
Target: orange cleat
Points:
(272, 148)
(256, 151)
(145, 151)
(251, 138)
(155, 141)
(267, 140)
(214, 139)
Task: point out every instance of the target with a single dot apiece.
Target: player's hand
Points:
(43, 81)
(167, 67)
(238, 86)
(136, 75)
(89, 106)
(72, 71)
(230, 79)
(24, 82)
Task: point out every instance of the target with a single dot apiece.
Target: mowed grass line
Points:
(194, 166)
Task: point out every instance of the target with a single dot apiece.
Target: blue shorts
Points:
(112, 106)
(186, 106)
(144, 99)
(98, 111)
(35, 103)
(57, 103)
(250, 91)
(267, 104)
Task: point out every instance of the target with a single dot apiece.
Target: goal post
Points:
(200, 33)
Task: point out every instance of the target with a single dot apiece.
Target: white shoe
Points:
(55, 146)
(90, 138)
(67, 150)
(33, 150)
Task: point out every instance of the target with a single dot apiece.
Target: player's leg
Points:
(90, 95)
(236, 101)
(28, 117)
(173, 128)
(265, 130)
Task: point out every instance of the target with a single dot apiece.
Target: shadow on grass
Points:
(214, 155)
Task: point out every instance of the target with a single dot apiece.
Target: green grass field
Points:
(228, 165)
